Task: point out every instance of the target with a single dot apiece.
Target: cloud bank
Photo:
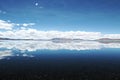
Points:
(24, 32)
(113, 36)
(36, 34)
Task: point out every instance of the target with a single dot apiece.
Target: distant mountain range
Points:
(102, 40)
(108, 40)
(14, 39)
(4, 38)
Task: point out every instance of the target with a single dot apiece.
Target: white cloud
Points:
(6, 25)
(17, 24)
(28, 33)
(112, 36)
(24, 33)
(28, 24)
(24, 24)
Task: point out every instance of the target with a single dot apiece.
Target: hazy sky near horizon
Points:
(64, 15)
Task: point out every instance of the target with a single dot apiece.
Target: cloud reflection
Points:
(49, 45)
(5, 53)
(7, 47)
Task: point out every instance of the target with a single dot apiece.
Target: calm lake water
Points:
(47, 60)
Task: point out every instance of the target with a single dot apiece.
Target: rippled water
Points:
(47, 60)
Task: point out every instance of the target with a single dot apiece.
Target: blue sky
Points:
(64, 15)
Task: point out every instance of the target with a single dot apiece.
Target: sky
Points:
(61, 15)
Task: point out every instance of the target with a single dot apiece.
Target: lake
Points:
(47, 60)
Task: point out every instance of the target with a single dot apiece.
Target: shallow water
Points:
(46, 60)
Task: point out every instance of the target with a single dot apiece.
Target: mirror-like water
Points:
(45, 60)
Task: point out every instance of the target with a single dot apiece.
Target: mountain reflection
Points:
(7, 47)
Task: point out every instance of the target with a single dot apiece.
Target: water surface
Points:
(46, 60)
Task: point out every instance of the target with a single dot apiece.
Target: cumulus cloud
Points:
(112, 36)
(24, 33)
(6, 25)
(25, 24)
(27, 33)
(28, 24)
